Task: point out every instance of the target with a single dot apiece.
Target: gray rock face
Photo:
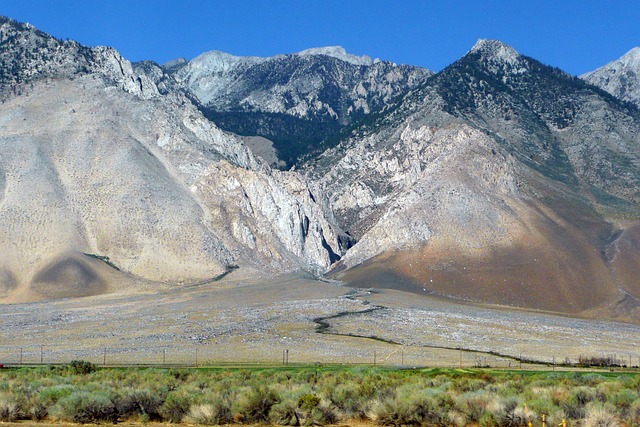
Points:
(621, 78)
(315, 82)
(299, 101)
(484, 183)
(104, 180)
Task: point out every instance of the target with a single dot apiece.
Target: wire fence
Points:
(200, 356)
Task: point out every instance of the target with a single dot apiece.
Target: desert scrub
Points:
(9, 409)
(599, 415)
(285, 413)
(316, 396)
(175, 406)
(84, 407)
(141, 404)
(473, 405)
(216, 411)
(254, 404)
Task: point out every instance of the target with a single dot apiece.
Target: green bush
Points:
(624, 399)
(175, 407)
(85, 407)
(81, 367)
(307, 402)
(473, 405)
(254, 405)
(141, 403)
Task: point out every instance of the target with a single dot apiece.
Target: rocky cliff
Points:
(105, 182)
(302, 102)
(621, 78)
(501, 180)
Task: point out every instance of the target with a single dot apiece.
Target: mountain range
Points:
(497, 180)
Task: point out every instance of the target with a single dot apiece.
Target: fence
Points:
(220, 356)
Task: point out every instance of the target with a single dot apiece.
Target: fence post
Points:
(41, 354)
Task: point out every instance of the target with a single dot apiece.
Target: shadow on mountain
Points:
(68, 277)
(568, 267)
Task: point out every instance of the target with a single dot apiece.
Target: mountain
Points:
(621, 78)
(106, 183)
(498, 180)
(301, 102)
(501, 180)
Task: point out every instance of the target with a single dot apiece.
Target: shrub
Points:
(473, 405)
(81, 367)
(322, 414)
(254, 405)
(456, 419)
(624, 399)
(175, 407)
(411, 411)
(599, 416)
(85, 407)
(215, 413)
(307, 402)
(633, 416)
(348, 400)
(38, 411)
(555, 417)
(285, 413)
(141, 403)
(49, 396)
(8, 410)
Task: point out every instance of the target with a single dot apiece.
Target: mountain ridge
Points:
(96, 160)
(620, 78)
(498, 180)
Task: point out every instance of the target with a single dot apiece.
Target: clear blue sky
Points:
(577, 36)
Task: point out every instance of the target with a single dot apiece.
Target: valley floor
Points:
(249, 320)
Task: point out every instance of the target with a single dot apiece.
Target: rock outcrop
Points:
(105, 182)
(301, 102)
(502, 180)
(621, 78)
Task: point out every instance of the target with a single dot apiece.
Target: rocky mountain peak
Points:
(178, 62)
(28, 55)
(337, 52)
(496, 57)
(300, 102)
(621, 78)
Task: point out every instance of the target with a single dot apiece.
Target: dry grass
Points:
(242, 319)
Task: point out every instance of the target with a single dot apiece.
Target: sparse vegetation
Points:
(318, 396)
